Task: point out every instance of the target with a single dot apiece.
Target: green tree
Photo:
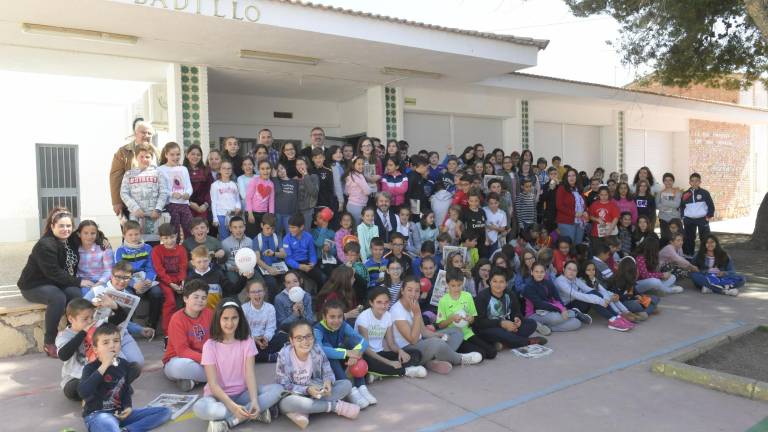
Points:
(684, 42)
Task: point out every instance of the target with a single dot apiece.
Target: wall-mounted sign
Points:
(239, 10)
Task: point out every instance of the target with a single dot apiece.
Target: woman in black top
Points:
(50, 276)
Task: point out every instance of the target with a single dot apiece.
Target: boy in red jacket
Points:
(170, 261)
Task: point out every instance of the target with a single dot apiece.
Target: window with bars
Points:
(58, 182)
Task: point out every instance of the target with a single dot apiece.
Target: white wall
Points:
(244, 115)
(47, 111)
(353, 116)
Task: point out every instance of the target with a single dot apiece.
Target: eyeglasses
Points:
(398, 244)
(122, 278)
(395, 269)
(307, 338)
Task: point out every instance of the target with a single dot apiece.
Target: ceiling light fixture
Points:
(278, 57)
(74, 33)
(410, 73)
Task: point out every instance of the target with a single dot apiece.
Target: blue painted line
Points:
(511, 403)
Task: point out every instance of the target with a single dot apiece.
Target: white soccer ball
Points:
(296, 294)
(245, 260)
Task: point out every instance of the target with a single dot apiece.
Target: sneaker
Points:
(498, 346)
(471, 358)
(722, 288)
(185, 385)
(675, 289)
(618, 324)
(264, 417)
(363, 389)
(543, 329)
(218, 426)
(356, 398)
(642, 316)
(416, 372)
(631, 317)
(346, 409)
(439, 366)
(581, 316)
(537, 340)
(629, 323)
(301, 420)
(732, 292)
(274, 412)
(705, 290)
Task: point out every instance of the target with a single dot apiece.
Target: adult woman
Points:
(467, 157)
(392, 152)
(668, 203)
(50, 275)
(644, 173)
(498, 157)
(526, 173)
(525, 156)
(200, 200)
(366, 151)
(288, 159)
(570, 208)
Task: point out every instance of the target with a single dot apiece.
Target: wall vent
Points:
(284, 115)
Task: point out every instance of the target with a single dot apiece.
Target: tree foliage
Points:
(711, 42)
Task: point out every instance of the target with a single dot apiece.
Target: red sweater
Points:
(566, 206)
(186, 335)
(170, 264)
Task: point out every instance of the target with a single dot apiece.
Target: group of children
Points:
(431, 266)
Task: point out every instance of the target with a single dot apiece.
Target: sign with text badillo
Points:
(239, 10)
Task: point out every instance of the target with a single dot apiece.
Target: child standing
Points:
(375, 325)
(473, 218)
(366, 232)
(452, 224)
(225, 200)
(200, 177)
(96, 257)
(262, 321)
(106, 389)
(343, 346)
(144, 192)
(427, 228)
(248, 172)
(309, 188)
(698, 209)
(457, 309)
(495, 223)
(304, 371)
(356, 188)
(143, 284)
(259, 198)
(286, 198)
(170, 261)
(525, 205)
(187, 332)
(231, 395)
(179, 187)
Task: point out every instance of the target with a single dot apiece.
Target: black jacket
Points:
(419, 188)
(383, 233)
(509, 302)
(325, 194)
(110, 392)
(46, 265)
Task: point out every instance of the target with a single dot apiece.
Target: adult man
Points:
(317, 140)
(123, 160)
(384, 217)
(265, 138)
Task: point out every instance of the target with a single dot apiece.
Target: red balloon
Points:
(426, 285)
(326, 214)
(359, 369)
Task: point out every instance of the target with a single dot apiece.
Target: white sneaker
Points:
(218, 426)
(675, 289)
(367, 395)
(356, 398)
(732, 292)
(543, 329)
(705, 290)
(471, 358)
(416, 371)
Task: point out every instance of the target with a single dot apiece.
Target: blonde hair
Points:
(200, 252)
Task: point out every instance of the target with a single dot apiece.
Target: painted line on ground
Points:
(520, 400)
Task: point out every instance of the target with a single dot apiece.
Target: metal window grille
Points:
(58, 182)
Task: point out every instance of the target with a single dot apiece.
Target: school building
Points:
(75, 73)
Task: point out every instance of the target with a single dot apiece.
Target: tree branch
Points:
(758, 11)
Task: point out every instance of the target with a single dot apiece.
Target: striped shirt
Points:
(375, 271)
(525, 208)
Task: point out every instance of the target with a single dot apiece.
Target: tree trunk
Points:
(760, 234)
(758, 11)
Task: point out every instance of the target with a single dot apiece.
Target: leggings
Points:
(209, 408)
(56, 300)
(476, 344)
(555, 321)
(179, 368)
(304, 405)
(253, 229)
(380, 368)
(510, 339)
(308, 213)
(435, 349)
(181, 216)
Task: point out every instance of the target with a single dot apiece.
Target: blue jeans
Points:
(339, 370)
(573, 231)
(223, 228)
(700, 280)
(209, 408)
(141, 419)
(282, 224)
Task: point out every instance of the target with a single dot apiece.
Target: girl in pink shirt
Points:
(356, 188)
(231, 396)
(259, 198)
(625, 201)
(346, 227)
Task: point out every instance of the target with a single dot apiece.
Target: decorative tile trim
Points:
(191, 104)
(620, 140)
(524, 125)
(390, 111)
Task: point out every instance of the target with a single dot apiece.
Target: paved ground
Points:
(596, 379)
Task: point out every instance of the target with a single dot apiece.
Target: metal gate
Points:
(58, 182)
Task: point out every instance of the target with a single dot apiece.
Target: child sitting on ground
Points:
(106, 389)
(262, 321)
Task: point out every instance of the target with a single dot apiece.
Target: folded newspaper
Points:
(278, 266)
(123, 299)
(532, 351)
(177, 403)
